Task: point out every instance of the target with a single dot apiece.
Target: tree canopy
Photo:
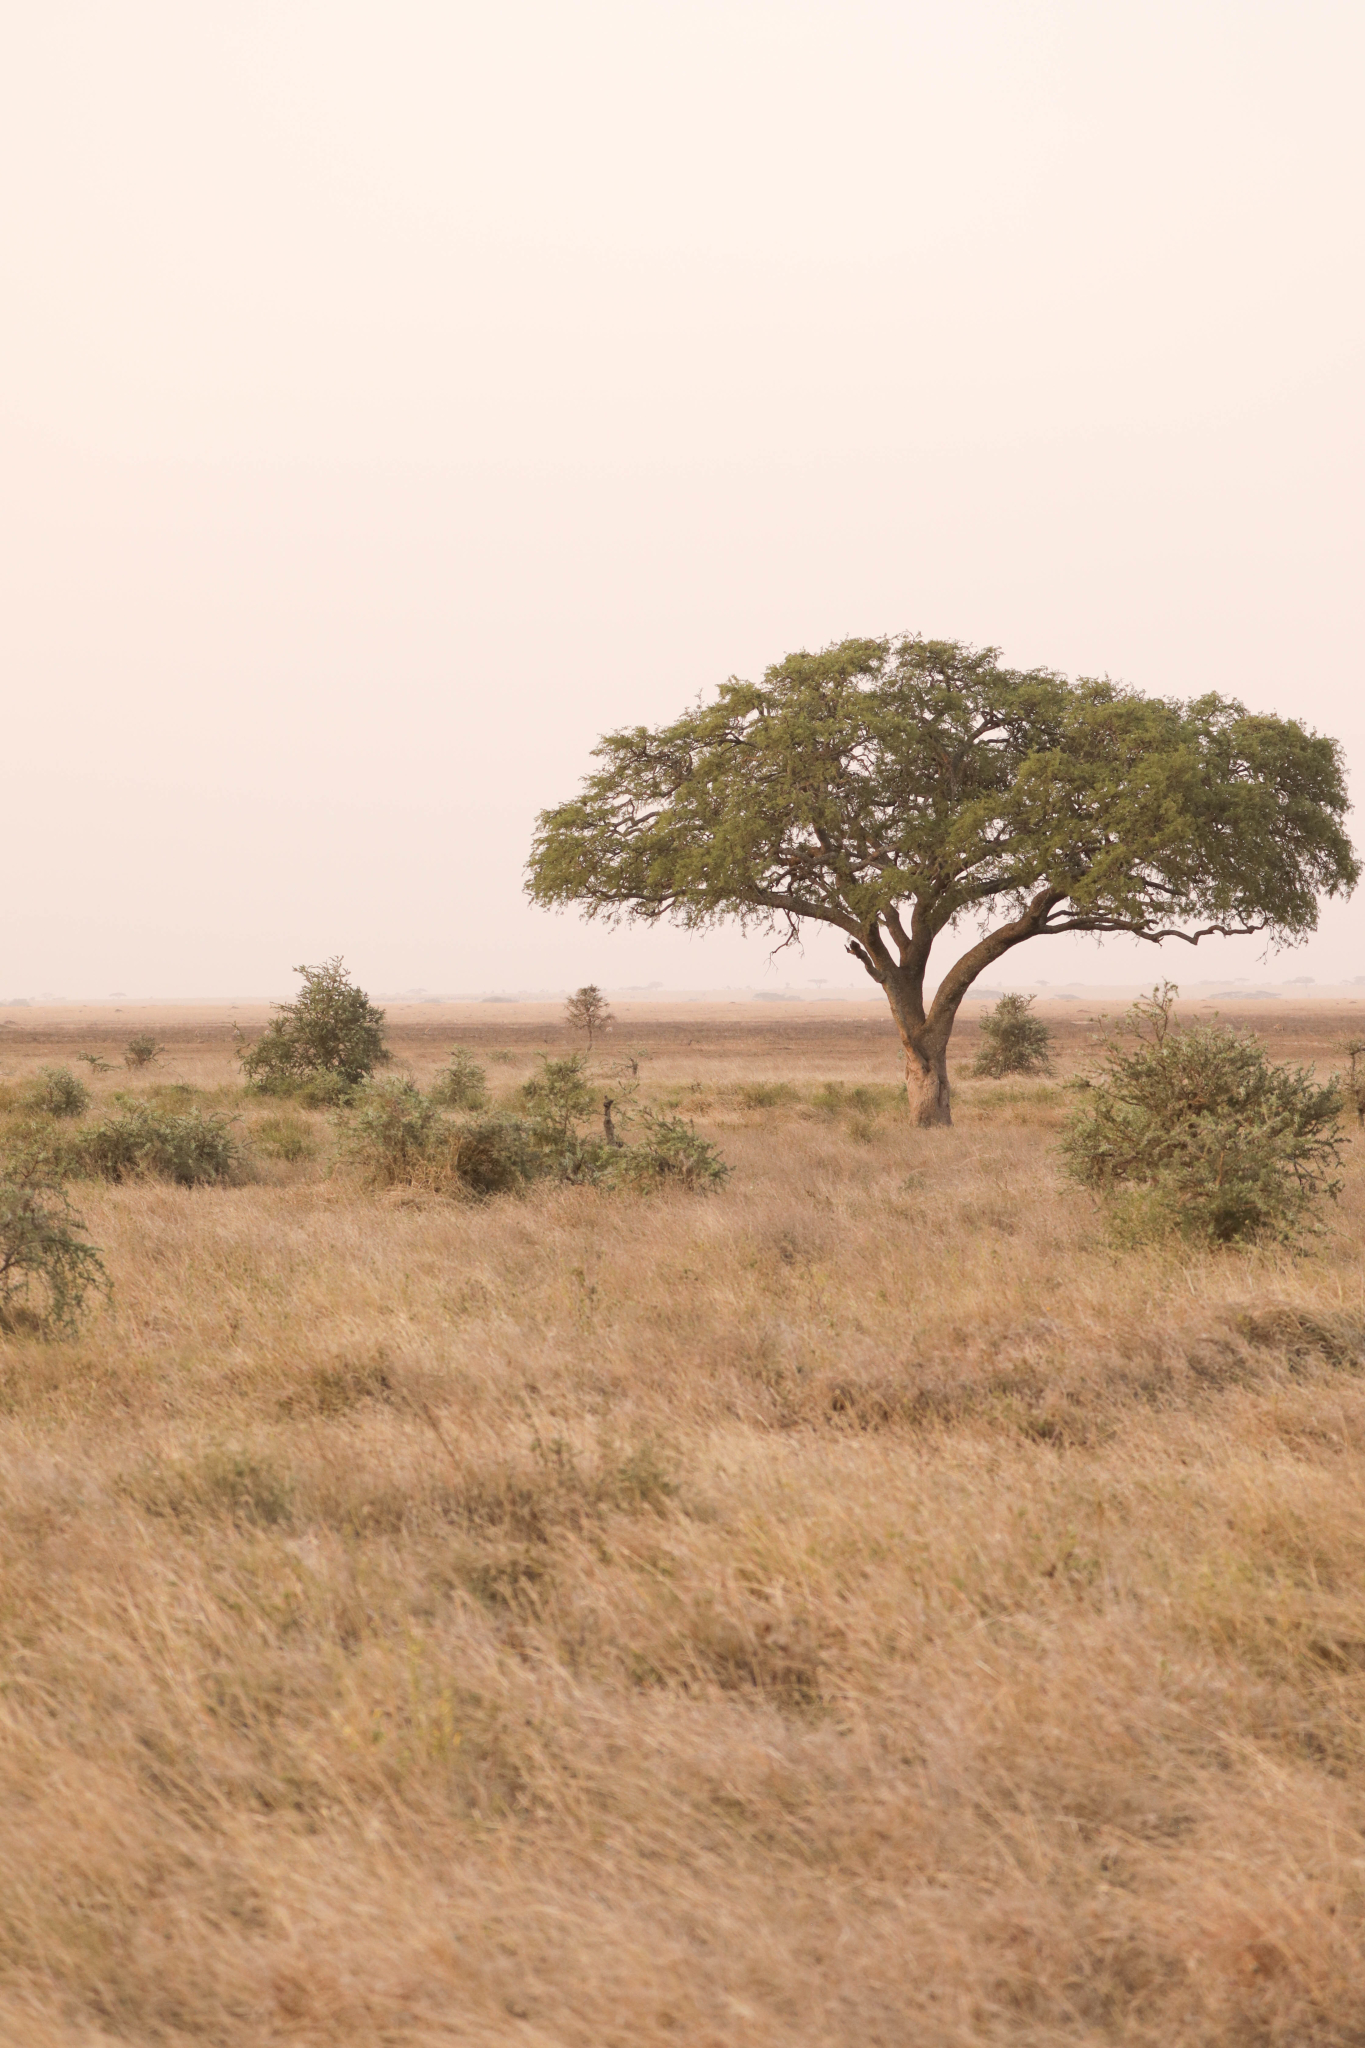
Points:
(899, 788)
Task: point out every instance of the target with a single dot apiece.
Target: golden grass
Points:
(857, 1607)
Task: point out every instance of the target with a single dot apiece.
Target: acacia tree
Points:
(587, 1009)
(902, 788)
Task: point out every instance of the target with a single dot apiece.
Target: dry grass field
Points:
(856, 1607)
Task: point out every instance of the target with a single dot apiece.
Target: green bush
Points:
(327, 1041)
(45, 1251)
(461, 1082)
(669, 1150)
(1198, 1132)
(1013, 1041)
(492, 1155)
(143, 1143)
(56, 1091)
(557, 1100)
(393, 1135)
(141, 1050)
(389, 1134)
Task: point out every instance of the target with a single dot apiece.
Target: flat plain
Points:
(860, 1606)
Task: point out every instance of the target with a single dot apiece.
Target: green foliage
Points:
(328, 1040)
(141, 1050)
(493, 1155)
(96, 1064)
(1196, 1131)
(894, 787)
(557, 1100)
(56, 1091)
(142, 1142)
(669, 1150)
(45, 1252)
(1013, 1041)
(461, 1082)
(388, 1133)
(587, 1010)
(392, 1135)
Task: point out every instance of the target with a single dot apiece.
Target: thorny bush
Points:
(330, 1038)
(393, 1135)
(144, 1143)
(1013, 1040)
(44, 1249)
(1194, 1130)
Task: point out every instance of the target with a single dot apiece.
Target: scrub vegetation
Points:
(871, 1604)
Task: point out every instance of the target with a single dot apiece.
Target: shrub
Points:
(1195, 1130)
(388, 1133)
(493, 1155)
(394, 1136)
(1013, 1041)
(332, 1035)
(557, 1100)
(141, 1050)
(45, 1247)
(461, 1082)
(669, 1150)
(142, 1143)
(58, 1092)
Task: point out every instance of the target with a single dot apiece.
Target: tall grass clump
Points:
(1195, 1131)
(48, 1266)
(321, 1045)
(1013, 1040)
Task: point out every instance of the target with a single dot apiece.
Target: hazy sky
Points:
(392, 398)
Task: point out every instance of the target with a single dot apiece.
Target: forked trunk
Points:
(926, 1049)
(926, 1085)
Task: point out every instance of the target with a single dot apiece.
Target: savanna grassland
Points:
(858, 1606)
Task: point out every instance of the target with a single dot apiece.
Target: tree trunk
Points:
(926, 1085)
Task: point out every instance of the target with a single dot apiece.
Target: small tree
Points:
(331, 1031)
(587, 1010)
(1013, 1041)
(1197, 1131)
(558, 1099)
(899, 789)
(461, 1083)
(44, 1246)
(141, 1050)
(58, 1092)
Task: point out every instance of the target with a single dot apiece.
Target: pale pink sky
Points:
(394, 397)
